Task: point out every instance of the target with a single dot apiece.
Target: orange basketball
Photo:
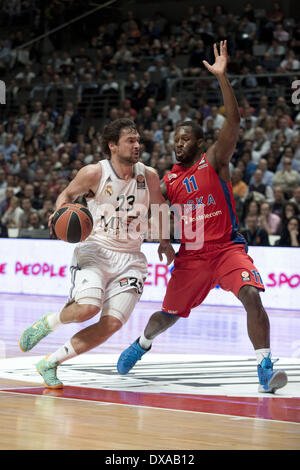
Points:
(72, 223)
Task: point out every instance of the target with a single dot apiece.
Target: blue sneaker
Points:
(269, 380)
(130, 356)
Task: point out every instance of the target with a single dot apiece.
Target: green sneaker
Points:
(33, 334)
(48, 371)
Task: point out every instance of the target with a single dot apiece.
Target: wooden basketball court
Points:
(196, 390)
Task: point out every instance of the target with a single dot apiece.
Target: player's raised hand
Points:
(221, 60)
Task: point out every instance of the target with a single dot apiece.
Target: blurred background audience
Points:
(61, 90)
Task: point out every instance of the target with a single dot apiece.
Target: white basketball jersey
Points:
(120, 209)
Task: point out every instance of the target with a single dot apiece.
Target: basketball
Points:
(72, 223)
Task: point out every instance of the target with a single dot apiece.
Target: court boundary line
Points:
(235, 417)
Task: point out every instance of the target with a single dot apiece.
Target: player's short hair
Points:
(197, 130)
(112, 131)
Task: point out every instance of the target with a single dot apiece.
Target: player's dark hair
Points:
(112, 131)
(197, 130)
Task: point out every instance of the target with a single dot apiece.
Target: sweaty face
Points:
(128, 147)
(185, 144)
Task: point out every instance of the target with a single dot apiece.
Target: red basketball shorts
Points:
(196, 273)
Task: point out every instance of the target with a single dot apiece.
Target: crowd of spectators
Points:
(42, 146)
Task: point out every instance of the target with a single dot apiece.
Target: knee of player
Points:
(86, 311)
(110, 323)
(250, 297)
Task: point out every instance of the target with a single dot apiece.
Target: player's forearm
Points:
(229, 99)
(64, 198)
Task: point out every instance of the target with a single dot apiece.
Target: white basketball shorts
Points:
(106, 273)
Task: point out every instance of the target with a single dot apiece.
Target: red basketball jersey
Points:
(202, 204)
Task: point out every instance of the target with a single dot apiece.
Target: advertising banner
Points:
(42, 267)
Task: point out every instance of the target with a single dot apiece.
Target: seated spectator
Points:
(267, 175)
(262, 118)
(197, 55)
(27, 211)
(122, 58)
(131, 87)
(14, 163)
(173, 70)
(275, 50)
(25, 171)
(291, 63)
(34, 222)
(296, 197)
(164, 119)
(255, 235)
(250, 166)
(245, 33)
(173, 110)
(217, 118)
(146, 119)
(261, 145)
(25, 77)
(289, 153)
(270, 128)
(11, 217)
(289, 210)
(280, 34)
(287, 178)
(290, 235)
(279, 112)
(273, 157)
(239, 187)
(258, 186)
(8, 147)
(111, 85)
(285, 128)
(267, 220)
(276, 15)
(279, 201)
(251, 207)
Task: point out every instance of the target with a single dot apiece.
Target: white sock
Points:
(53, 320)
(144, 342)
(63, 354)
(261, 354)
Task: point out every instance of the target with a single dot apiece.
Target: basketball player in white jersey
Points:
(108, 268)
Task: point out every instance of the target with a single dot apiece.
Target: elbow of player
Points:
(235, 124)
(235, 119)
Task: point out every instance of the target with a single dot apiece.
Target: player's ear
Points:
(111, 145)
(200, 142)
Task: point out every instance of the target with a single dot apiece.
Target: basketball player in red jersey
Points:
(202, 180)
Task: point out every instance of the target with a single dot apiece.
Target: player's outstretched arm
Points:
(221, 152)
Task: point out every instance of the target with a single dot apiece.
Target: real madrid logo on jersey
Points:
(140, 182)
(108, 190)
